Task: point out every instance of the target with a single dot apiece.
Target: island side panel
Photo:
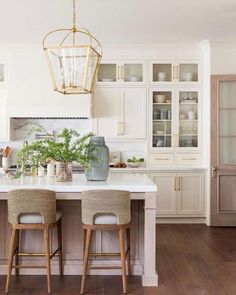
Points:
(150, 277)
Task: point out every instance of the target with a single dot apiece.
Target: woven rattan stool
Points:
(33, 209)
(106, 210)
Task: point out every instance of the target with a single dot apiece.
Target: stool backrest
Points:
(115, 202)
(38, 201)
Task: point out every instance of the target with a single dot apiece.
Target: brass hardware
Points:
(177, 71)
(189, 159)
(161, 159)
(213, 171)
(118, 73)
(175, 183)
(179, 184)
(120, 128)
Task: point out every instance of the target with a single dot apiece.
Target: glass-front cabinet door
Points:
(162, 119)
(175, 118)
(188, 119)
(130, 72)
(185, 72)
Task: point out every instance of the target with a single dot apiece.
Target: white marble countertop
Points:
(133, 183)
(160, 168)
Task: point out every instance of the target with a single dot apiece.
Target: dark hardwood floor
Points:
(191, 260)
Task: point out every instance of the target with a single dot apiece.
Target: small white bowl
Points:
(134, 165)
(159, 98)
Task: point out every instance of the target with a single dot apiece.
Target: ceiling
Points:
(120, 21)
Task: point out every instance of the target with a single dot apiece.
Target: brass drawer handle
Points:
(190, 159)
(162, 159)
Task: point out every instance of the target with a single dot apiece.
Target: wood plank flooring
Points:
(191, 260)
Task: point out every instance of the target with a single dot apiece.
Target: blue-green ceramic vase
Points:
(98, 169)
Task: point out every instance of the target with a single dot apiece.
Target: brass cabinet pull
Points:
(162, 159)
(118, 73)
(175, 183)
(179, 186)
(190, 159)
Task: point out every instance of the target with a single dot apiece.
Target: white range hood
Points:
(30, 91)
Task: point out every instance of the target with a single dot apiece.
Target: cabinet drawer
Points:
(187, 159)
(159, 159)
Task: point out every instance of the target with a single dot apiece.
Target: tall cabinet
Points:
(120, 100)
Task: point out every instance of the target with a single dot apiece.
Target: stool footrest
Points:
(29, 266)
(104, 254)
(104, 267)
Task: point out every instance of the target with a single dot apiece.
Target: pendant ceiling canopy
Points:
(73, 59)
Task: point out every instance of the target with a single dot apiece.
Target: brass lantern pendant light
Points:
(74, 61)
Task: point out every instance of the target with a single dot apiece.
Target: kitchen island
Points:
(143, 227)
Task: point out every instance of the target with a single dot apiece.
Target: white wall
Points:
(223, 57)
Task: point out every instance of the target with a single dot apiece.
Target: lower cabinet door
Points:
(190, 193)
(166, 192)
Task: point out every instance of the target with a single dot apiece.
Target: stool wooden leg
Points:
(47, 254)
(122, 256)
(128, 250)
(10, 258)
(86, 258)
(17, 252)
(59, 237)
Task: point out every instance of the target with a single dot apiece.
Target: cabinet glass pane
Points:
(133, 72)
(161, 120)
(188, 119)
(107, 73)
(2, 78)
(227, 94)
(188, 72)
(162, 72)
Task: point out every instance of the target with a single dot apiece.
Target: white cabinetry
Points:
(4, 121)
(170, 72)
(175, 125)
(120, 112)
(180, 194)
(120, 72)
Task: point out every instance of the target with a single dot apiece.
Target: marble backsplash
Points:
(24, 130)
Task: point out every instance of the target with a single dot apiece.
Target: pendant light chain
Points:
(74, 15)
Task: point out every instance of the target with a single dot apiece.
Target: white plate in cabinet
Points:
(158, 159)
(188, 159)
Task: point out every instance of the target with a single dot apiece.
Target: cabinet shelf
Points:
(161, 120)
(162, 134)
(161, 103)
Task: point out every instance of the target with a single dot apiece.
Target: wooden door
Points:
(190, 197)
(223, 150)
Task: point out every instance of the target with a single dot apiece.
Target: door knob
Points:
(213, 171)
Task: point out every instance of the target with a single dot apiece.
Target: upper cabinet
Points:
(174, 118)
(170, 72)
(117, 72)
(120, 113)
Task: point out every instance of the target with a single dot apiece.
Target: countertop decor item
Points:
(69, 146)
(73, 59)
(99, 166)
(135, 162)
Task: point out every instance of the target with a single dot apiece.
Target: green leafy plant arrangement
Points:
(67, 147)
